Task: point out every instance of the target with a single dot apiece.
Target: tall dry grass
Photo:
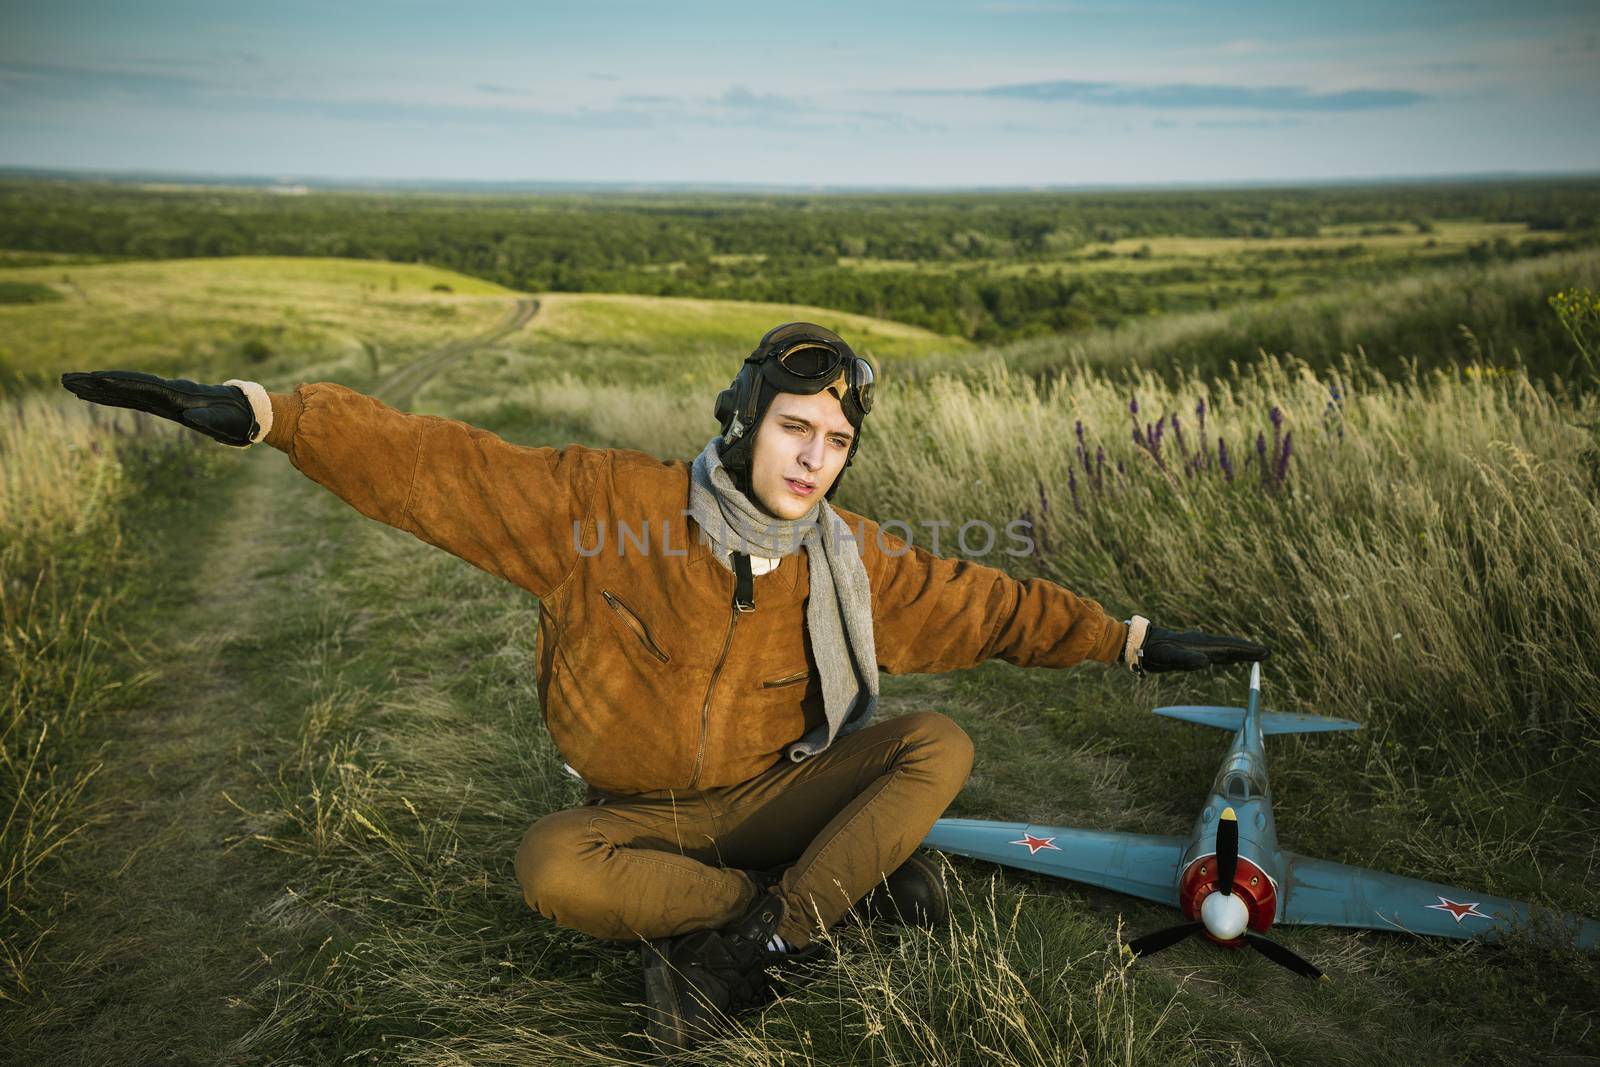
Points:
(66, 473)
(1427, 559)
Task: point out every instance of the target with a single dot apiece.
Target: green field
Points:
(272, 759)
(223, 317)
(989, 267)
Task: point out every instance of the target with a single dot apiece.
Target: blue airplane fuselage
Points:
(1241, 784)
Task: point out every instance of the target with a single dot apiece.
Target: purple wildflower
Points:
(1223, 461)
(1138, 435)
(1133, 406)
(1079, 429)
(1072, 487)
(1283, 458)
(1099, 467)
(1177, 431)
(1044, 504)
(1261, 455)
(1276, 417)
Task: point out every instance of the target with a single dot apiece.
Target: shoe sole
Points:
(663, 1022)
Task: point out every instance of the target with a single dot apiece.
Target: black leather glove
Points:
(1169, 650)
(221, 412)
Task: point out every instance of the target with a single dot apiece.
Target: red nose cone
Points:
(1251, 883)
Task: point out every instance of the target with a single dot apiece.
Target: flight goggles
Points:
(813, 364)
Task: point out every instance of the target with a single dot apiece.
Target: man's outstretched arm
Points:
(501, 507)
(934, 614)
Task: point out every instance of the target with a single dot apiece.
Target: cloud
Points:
(1248, 124)
(1045, 7)
(1244, 46)
(83, 81)
(738, 97)
(1234, 97)
(97, 86)
(486, 104)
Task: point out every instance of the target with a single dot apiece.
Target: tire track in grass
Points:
(400, 388)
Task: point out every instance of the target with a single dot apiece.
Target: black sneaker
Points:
(914, 894)
(694, 982)
(684, 1000)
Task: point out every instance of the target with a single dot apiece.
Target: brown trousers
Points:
(663, 863)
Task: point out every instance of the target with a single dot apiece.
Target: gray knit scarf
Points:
(839, 609)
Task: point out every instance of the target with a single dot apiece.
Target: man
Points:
(709, 647)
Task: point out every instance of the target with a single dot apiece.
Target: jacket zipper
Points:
(786, 680)
(636, 624)
(705, 708)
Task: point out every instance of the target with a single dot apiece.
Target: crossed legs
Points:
(666, 863)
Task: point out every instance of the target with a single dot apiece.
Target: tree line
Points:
(785, 248)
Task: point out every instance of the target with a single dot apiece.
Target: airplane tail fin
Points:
(1272, 722)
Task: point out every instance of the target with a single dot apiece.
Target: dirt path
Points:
(159, 931)
(171, 921)
(398, 389)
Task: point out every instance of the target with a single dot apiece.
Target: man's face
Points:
(800, 449)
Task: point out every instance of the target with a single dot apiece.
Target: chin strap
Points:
(744, 590)
(1133, 650)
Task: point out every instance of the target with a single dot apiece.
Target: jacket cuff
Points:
(1112, 639)
(286, 409)
(260, 407)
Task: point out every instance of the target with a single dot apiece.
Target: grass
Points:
(1496, 314)
(656, 325)
(214, 319)
(219, 318)
(27, 293)
(1144, 255)
(70, 483)
(390, 753)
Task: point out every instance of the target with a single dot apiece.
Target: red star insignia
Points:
(1035, 843)
(1458, 911)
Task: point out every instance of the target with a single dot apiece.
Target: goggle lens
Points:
(861, 381)
(810, 361)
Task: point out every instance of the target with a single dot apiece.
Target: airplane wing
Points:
(1334, 894)
(1140, 865)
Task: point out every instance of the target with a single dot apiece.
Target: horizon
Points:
(310, 183)
(976, 95)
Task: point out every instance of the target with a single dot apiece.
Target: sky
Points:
(932, 93)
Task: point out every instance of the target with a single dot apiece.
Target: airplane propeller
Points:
(1223, 913)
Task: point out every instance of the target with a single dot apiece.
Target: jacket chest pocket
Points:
(635, 624)
(787, 680)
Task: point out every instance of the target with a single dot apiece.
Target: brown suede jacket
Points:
(648, 677)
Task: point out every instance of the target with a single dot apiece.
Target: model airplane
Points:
(1229, 877)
